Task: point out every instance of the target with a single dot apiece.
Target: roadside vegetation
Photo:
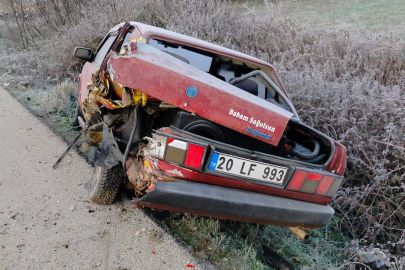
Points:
(348, 83)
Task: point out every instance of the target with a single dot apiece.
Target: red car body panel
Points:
(162, 76)
(85, 77)
(339, 161)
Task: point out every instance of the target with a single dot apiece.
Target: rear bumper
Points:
(222, 202)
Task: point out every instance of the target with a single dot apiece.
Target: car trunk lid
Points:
(171, 80)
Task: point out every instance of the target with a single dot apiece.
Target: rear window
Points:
(192, 57)
(226, 69)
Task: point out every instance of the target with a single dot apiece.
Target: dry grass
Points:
(57, 99)
(347, 86)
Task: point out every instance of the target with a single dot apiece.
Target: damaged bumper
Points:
(221, 202)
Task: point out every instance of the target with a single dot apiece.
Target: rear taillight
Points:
(175, 151)
(184, 153)
(297, 180)
(315, 183)
(324, 185)
(194, 156)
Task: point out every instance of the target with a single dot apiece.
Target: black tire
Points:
(105, 183)
(206, 129)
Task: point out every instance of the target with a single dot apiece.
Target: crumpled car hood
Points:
(162, 76)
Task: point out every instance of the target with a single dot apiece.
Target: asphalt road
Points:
(46, 219)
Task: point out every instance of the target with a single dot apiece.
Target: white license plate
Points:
(245, 168)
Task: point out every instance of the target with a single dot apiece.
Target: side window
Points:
(101, 53)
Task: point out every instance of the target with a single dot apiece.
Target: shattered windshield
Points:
(196, 59)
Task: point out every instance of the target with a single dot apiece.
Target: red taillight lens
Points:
(194, 157)
(297, 180)
(324, 185)
(314, 176)
(184, 153)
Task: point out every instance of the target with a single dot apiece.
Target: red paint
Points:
(85, 77)
(158, 75)
(190, 266)
(195, 176)
(339, 160)
(154, 253)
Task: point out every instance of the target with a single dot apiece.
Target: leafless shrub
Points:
(349, 87)
(60, 98)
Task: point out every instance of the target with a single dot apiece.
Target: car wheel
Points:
(104, 185)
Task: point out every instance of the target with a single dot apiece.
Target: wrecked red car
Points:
(198, 128)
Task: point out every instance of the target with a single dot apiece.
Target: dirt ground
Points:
(46, 219)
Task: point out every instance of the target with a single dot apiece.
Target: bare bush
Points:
(59, 99)
(349, 87)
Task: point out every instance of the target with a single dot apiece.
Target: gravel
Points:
(46, 219)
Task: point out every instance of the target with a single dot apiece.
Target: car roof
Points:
(148, 31)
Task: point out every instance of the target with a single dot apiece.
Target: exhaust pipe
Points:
(300, 233)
